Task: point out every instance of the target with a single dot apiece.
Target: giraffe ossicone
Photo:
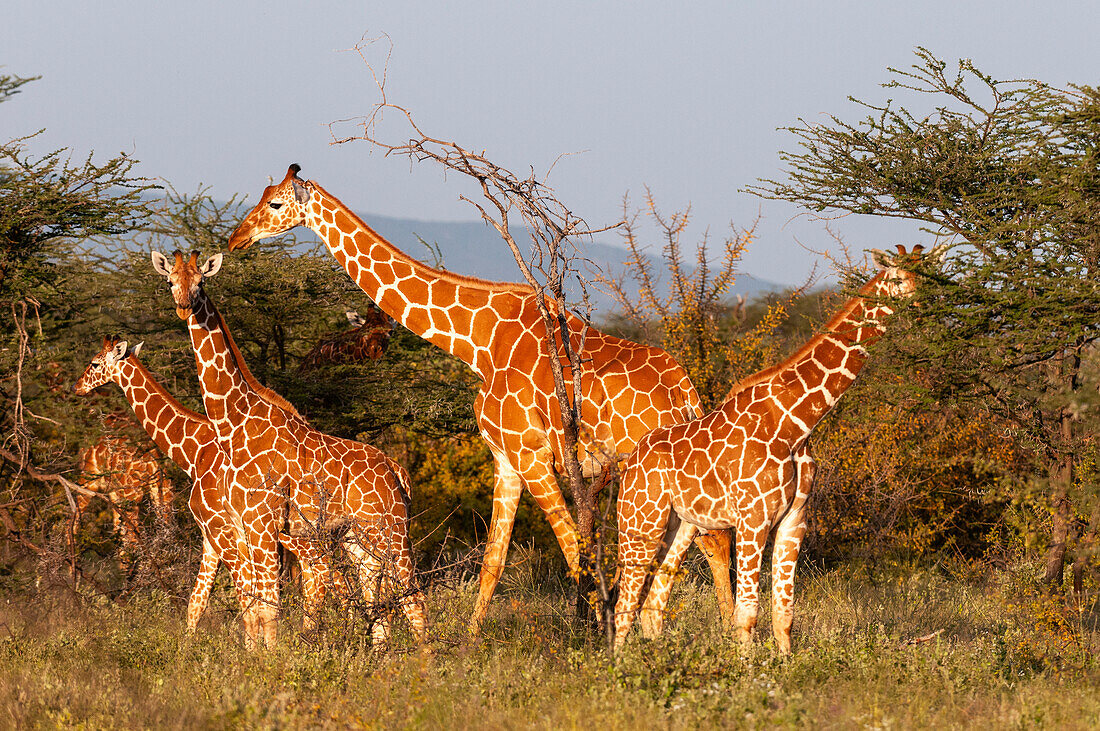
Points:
(746, 465)
(496, 329)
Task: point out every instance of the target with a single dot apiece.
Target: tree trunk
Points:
(1062, 376)
(1086, 548)
(1061, 475)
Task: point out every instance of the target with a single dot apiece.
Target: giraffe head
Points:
(897, 277)
(185, 277)
(281, 208)
(105, 365)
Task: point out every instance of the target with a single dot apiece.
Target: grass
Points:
(1008, 656)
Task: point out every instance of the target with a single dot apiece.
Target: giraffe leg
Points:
(371, 565)
(125, 522)
(542, 483)
(262, 610)
(315, 576)
(200, 595)
(715, 545)
(750, 550)
(507, 488)
(638, 548)
(788, 540)
(656, 603)
(73, 532)
(413, 604)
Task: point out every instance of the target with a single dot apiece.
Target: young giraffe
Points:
(189, 440)
(497, 330)
(747, 465)
(123, 471)
(277, 462)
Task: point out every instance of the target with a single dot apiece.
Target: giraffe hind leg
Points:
(677, 541)
(637, 554)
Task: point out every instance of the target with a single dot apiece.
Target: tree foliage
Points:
(698, 323)
(1007, 170)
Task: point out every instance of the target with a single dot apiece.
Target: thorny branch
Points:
(552, 228)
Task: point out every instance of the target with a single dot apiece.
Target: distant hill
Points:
(472, 248)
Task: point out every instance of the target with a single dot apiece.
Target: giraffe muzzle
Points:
(239, 241)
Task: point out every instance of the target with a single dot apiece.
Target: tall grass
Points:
(1006, 656)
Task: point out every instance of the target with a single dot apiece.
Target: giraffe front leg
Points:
(788, 540)
(507, 488)
(315, 575)
(656, 604)
(750, 551)
(715, 545)
(261, 614)
(126, 523)
(200, 595)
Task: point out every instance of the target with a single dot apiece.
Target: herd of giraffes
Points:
(262, 476)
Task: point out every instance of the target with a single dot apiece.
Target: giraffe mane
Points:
(261, 390)
(830, 326)
(158, 389)
(461, 279)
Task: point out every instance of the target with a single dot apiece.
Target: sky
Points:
(684, 98)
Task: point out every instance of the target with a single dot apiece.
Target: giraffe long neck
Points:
(226, 392)
(456, 313)
(810, 383)
(185, 436)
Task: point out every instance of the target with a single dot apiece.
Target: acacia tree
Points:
(1008, 171)
(46, 203)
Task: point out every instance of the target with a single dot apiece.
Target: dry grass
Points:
(1008, 656)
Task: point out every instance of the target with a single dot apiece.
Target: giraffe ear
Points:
(355, 319)
(211, 266)
(301, 191)
(118, 352)
(161, 265)
(137, 348)
(884, 259)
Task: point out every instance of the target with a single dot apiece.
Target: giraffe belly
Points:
(706, 510)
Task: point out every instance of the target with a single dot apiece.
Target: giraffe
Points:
(124, 471)
(747, 465)
(366, 341)
(189, 440)
(496, 329)
(279, 468)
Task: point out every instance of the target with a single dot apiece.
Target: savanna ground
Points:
(1002, 653)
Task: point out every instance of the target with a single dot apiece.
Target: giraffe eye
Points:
(275, 206)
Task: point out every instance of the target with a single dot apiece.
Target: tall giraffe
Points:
(189, 440)
(497, 330)
(124, 471)
(278, 464)
(747, 465)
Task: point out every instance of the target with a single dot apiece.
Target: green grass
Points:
(1008, 656)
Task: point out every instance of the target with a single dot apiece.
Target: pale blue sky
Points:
(682, 97)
